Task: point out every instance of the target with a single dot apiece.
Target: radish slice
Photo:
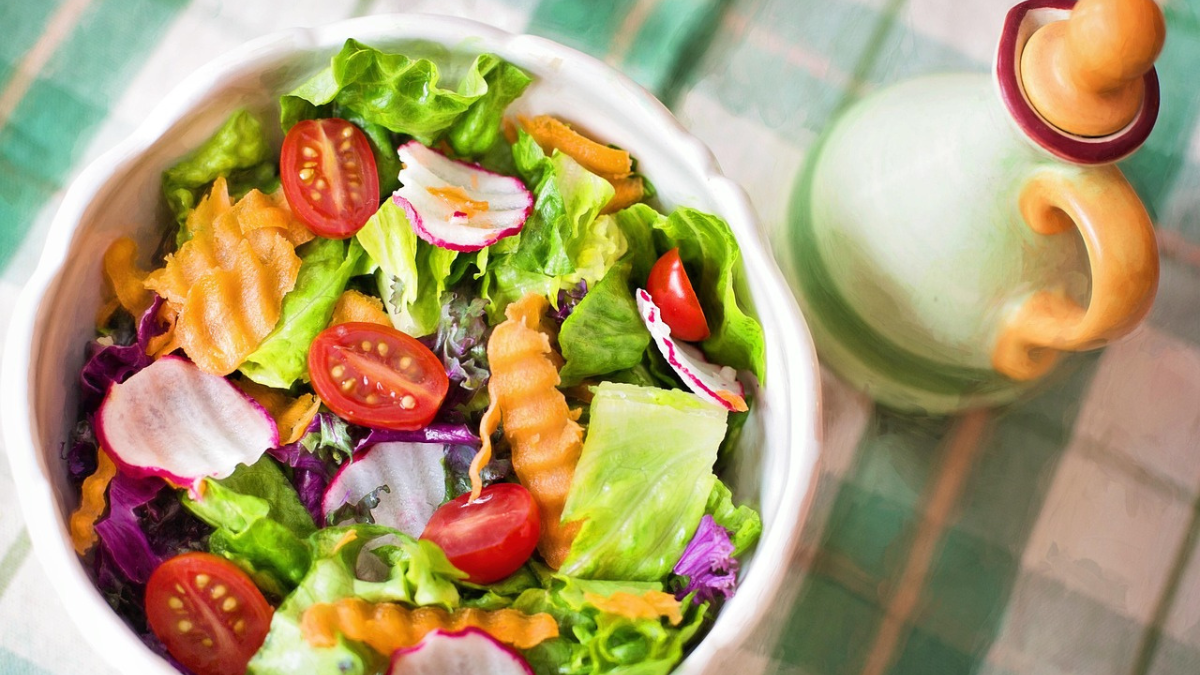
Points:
(414, 474)
(459, 206)
(466, 651)
(173, 420)
(710, 381)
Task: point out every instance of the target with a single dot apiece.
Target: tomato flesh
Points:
(207, 612)
(672, 291)
(329, 177)
(491, 537)
(377, 376)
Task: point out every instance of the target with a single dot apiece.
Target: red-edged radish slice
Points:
(173, 420)
(414, 474)
(710, 381)
(470, 650)
(459, 206)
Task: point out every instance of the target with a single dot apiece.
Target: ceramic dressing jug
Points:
(953, 235)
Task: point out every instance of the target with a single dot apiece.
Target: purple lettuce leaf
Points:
(708, 564)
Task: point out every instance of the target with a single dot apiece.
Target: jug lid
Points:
(1110, 114)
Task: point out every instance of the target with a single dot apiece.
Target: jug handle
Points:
(1123, 256)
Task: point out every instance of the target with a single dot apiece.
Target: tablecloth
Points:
(1055, 536)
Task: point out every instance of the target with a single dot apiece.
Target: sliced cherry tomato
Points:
(491, 537)
(377, 376)
(671, 290)
(328, 176)
(207, 612)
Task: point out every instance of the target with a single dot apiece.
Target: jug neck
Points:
(1019, 25)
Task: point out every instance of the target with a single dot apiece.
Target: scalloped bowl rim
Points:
(739, 619)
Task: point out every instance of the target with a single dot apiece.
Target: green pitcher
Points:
(953, 235)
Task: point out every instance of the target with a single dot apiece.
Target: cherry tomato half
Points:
(328, 176)
(377, 376)
(671, 290)
(207, 612)
(491, 537)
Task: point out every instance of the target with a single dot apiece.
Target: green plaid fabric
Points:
(1055, 536)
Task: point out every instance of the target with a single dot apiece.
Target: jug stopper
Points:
(1084, 74)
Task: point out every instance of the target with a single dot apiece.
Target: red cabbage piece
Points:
(115, 363)
(708, 564)
(122, 533)
(568, 299)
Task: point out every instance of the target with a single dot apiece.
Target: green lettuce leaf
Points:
(564, 241)
(711, 255)
(392, 90)
(591, 641)
(238, 150)
(412, 572)
(260, 524)
(605, 332)
(479, 128)
(638, 223)
(642, 481)
(326, 266)
(744, 523)
(412, 273)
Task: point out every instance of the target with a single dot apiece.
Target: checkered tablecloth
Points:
(1056, 536)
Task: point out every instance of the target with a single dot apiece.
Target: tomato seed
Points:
(345, 147)
(382, 348)
(229, 605)
(366, 346)
(184, 626)
(308, 151)
(316, 196)
(405, 362)
(351, 165)
(239, 626)
(347, 384)
(347, 132)
(322, 184)
(207, 642)
(306, 175)
(372, 399)
(337, 371)
(175, 603)
(201, 581)
(218, 591)
(408, 402)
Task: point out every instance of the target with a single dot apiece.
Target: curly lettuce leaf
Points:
(744, 523)
(326, 266)
(642, 481)
(605, 332)
(712, 257)
(479, 127)
(391, 90)
(238, 150)
(593, 642)
(409, 571)
(260, 524)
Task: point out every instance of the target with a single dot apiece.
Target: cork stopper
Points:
(1085, 75)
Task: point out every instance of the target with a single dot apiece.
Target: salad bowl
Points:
(118, 196)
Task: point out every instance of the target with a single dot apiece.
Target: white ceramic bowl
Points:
(120, 195)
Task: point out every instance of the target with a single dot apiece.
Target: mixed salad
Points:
(430, 389)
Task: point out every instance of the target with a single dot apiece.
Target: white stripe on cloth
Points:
(58, 27)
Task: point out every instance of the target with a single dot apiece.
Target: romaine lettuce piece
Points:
(744, 523)
(412, 273)
(604, 333)
(642, 481)
(326, 266)
(238, 150)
